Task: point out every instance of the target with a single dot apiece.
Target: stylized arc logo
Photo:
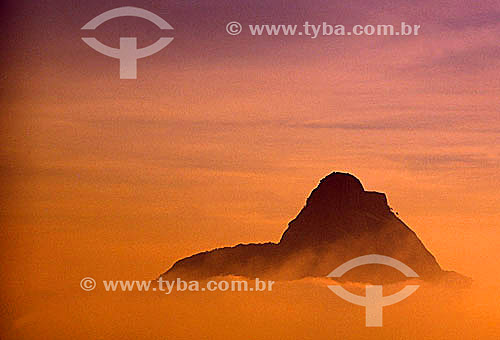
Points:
(128, 53)
(373, 259)
(117, 53)
(127, 12)
(373, 299)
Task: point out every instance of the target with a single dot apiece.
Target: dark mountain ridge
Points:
(339, 222)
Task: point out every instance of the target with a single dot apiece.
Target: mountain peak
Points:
(339, 205)
(339, 222)
(338, 188)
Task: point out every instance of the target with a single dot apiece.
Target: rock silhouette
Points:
(339, 222)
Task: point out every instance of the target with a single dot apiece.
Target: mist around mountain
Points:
(340, 221)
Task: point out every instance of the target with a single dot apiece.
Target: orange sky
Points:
(221, 139)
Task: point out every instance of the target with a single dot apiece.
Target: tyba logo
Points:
(373, 300)
(128, 53)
